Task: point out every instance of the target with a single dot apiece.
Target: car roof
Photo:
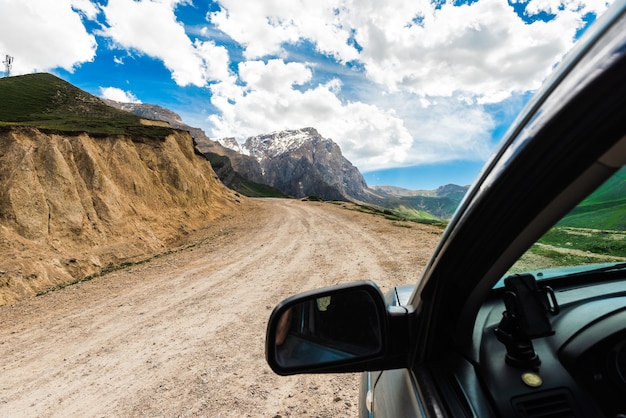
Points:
(567, 141)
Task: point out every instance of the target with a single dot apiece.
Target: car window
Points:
(593, 233)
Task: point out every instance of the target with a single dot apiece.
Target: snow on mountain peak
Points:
(232, 143)
(277, 143)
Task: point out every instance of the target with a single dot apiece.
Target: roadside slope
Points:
(74, 204)
(184, 334)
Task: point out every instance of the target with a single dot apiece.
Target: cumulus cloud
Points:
(446, 60)
(269, 96)
(87, 8)
(36, 34)
(414, 76)
(119, 95)
(534, 7)
(485, 49)
(262, 27)
(266, 98)
(151, 28)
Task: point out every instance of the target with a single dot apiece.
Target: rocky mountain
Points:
(150, 111)
(296, 162)
(236, 170)
(303, 163)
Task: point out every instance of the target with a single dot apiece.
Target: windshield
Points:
(592, 234)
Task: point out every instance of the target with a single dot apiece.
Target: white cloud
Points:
(262, 27)
(86, 7)
(448, 129)
(119, 95)
(483, 49)
(151, 28)
(36, 34)
(534, 7)
(446, 62)
(268, 101)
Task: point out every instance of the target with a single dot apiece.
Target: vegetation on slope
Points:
(232, 179)
(593, 232)
(604, 209)
(47, 102)
(420, 205)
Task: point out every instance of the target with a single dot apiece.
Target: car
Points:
(521, 310)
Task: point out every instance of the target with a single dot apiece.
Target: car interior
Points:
(553, 341)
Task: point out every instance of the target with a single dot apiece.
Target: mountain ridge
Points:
(284, 162)
(50, 103)
(259, 160)
(301, 162)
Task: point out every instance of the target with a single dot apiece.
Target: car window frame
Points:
(447, 296)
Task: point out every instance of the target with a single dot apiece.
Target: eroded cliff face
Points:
(71, 206)
(303, 163)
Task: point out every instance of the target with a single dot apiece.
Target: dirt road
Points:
(183, 334)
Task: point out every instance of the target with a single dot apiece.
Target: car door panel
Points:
(395, 395)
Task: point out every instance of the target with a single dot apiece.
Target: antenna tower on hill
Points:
(8, 62)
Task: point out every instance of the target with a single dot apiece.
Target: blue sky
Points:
(416, 93)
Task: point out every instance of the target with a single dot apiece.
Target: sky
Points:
(416, 93)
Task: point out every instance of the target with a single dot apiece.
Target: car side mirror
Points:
(335, 329)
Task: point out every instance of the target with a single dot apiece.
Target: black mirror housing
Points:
(343, 328)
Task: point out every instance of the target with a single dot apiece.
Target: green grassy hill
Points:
(47, 102)
(604, 209)
(422, 205)
(426, 207)
(593, 232)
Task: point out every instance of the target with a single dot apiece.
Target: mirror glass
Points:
(328, 328)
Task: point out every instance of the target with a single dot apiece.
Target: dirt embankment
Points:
(183, 335)
(71, 206)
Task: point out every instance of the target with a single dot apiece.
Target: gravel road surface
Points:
(182, 335)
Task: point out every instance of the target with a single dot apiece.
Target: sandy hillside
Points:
(74, 205)
(183, 335)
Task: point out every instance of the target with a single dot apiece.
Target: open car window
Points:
(591, 236)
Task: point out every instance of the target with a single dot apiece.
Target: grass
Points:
(593, 232)
(603, 209)
(563, 246)
(602, 243)
(395, 217)
(49, 103)
(560, 258)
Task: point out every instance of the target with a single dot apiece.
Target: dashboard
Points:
(582, 365)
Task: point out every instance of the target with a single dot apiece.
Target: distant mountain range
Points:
(421, 204)
(295, 163)
(301, 163)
